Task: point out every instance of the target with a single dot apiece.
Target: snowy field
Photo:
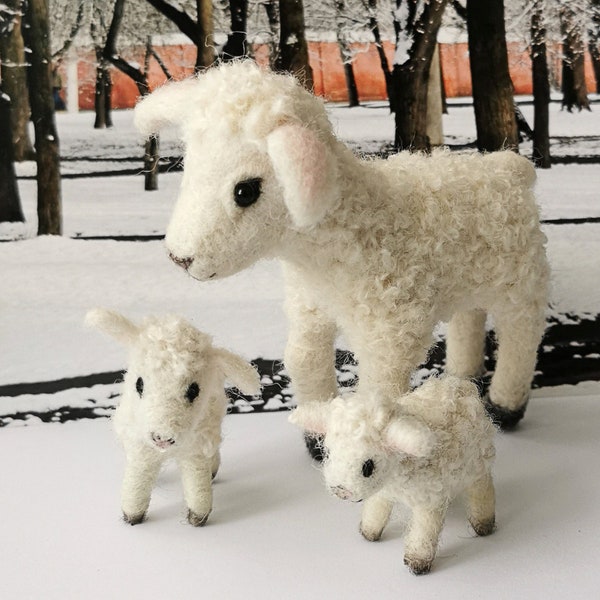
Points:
(274, 533)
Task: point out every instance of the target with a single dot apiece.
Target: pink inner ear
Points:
(312, 159)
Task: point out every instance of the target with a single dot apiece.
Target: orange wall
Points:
(327, 70)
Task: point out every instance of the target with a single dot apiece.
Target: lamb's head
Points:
(364, 442)
(174, 379)
(258, 162)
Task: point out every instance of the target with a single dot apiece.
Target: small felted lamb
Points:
(423, 450)
(172, 406)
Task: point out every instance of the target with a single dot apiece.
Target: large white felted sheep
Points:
(172, 406)
(379, 249)
(422, 450)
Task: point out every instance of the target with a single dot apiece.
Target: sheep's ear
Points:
(409, 435)
(167, 105)
(114, 324)
(306, 170)
(311, 416)
(237, 371)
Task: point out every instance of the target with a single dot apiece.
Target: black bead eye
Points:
(192, 392)
(139, 386)
(368, 468)
(247, 192)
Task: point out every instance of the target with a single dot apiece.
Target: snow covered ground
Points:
(275, 533)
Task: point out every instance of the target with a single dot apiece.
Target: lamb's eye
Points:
(192, 392)
(247, 192)
(139, 386)
(368, 468)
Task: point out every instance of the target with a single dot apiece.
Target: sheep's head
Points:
(258, 162)
(174, 377)
(364, 442)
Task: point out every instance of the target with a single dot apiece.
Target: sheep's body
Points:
(424, 450)
(379, 249)
(172, 407)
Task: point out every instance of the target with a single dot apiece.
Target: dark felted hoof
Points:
(134, 519)
(197, 520)
(504, 418)
(418, 566)
(314, 445)
(484, 528)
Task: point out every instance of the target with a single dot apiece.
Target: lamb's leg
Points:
(519, 333)
(465, 344)
(215, 464)
(310, 359)
(141, 470)
(196, 476)
(375, 516)
(421, 541)
(481, 505)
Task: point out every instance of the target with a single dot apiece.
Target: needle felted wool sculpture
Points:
(380, 250)
(422, 450)
(172, 406)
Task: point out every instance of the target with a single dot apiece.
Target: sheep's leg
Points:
(196, 476)
(215, 464)
(375, 516)
(465, 344)
(481, 505)
(421, 541)
(141, 470)
(310, 360)
(310, 354)
(519, 334)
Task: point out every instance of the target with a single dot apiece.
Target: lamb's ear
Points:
(237, 371)
(311, 416)
(167, 105)
(306, 170)
(114, 324)
(409, 435)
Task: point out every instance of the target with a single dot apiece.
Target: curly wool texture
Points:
(172, 406)
(380, 250)
(422, 450)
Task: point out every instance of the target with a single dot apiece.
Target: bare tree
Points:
(293, 47)
(236, 45)
(36, 34)
(10, 202)
(199, 30)
(140, 78)
(346, 54)
(594, 40)
(492, 87)
(541, 86)
(416, 24)
(573, 75)
(12, 52)
(373, 21)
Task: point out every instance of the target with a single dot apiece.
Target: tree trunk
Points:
(36, 34)
(492, 87)
(541, 87)
(14, 75)
(10, 202)
(573, 74)
(102, 98)
(594, 41)
(151, 157)
(272, 12)
(293, 47)
(345, 54)
(383, 61)
(435, 101)
(416, 39)
(199, 31)
(236, 45)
